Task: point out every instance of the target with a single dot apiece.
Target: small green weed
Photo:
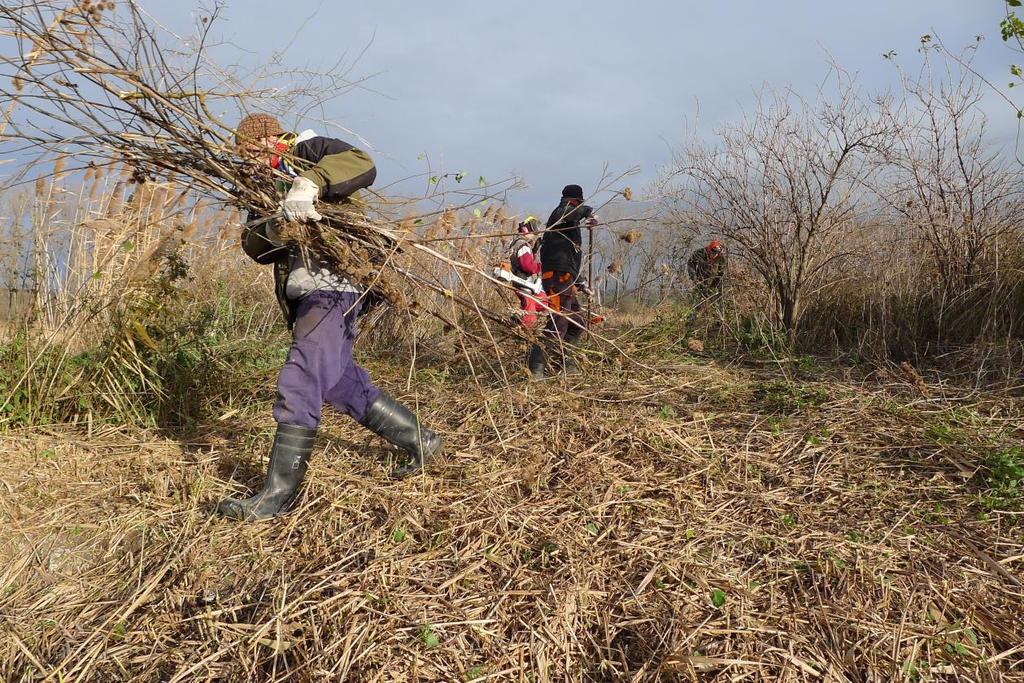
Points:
(428, 637)
(1004, 476)
(895, 408)
(910, 670)
(431, 376)
(759, 338)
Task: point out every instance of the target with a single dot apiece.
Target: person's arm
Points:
(262, 244)
(555, 216)
(338, 169)
(588, 218)
(257, 246)
(692, 266)
(528, 261)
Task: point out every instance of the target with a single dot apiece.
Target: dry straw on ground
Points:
(689, 524)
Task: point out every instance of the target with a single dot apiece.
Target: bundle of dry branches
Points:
(104, 89)
(96, 82)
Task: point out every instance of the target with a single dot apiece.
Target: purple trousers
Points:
(320, 366)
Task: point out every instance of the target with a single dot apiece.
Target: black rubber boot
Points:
(389, 419)
(289, 458)
(536, 359)
(569, 364)
(573, 335)
(572, 349)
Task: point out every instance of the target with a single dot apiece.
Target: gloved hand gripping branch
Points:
(298, 203)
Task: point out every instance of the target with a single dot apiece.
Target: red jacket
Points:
(524, 260)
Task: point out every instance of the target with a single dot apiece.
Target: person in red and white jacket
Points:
(524, 261)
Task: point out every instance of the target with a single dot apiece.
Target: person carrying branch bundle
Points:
(706, 269)
(561, 255)
(321, 306)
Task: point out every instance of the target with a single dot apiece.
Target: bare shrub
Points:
(783, 187)
(956, 198)
(888, 225)
(939, 265)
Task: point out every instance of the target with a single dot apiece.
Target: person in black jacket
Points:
(320, 306)
(561, 257)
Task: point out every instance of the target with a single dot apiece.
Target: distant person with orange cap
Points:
(706, 269)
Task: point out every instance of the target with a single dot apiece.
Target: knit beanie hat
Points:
(257, 127)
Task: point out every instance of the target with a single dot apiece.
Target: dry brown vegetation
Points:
(702, 503)
(698, 521)
(666, 518)
(883, 225)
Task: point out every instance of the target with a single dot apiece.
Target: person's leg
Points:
(535, 358)
(536, 361)
(391, 420)
(573, 330)
(530, 308)
(563, 291)
(353, 392)
(697, 295)
(557, 295)
(575, 323)
(318, 358)
(557, 292)
(286, 469)
(311, 365)
(357, 396)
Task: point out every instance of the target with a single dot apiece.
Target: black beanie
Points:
(573, 192)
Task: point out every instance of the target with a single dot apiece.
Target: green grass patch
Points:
(782, 397)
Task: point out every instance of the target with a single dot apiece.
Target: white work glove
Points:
(298, 203)
(592, 221)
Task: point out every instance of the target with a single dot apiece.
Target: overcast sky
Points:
(554, 91)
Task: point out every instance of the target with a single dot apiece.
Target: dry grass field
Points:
(697, 521)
